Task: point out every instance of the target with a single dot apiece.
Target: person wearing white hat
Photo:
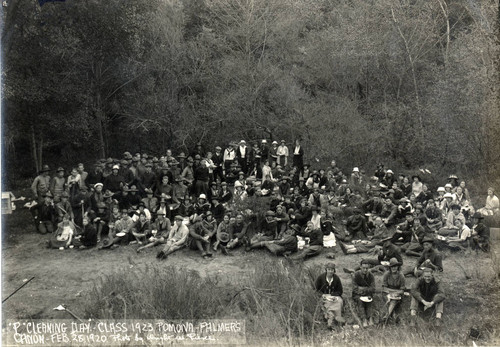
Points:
(356, 180)
(240, 194)
(114, 182)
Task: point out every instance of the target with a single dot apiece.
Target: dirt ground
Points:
(63, 277)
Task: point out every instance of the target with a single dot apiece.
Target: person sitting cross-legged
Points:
(427, 293)
(430, 258)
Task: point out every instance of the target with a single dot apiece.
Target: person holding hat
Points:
(363, 288)
(430, 258)
(427, 293)
(176, 240)
(480, 233)
(44, 214)
(330, 287)
(41, 184)
(58, 184)
(224, 234)
(393, 286)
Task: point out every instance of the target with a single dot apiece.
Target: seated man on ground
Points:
(315, 245)
(394, 286)
(363, 288)
(285, 243)
(450, 228)
(224, 234)
(330, 286)
(404, 230)
(268, 231)
(88, 236)
(160, 230)
(239, 232)
(480, 233)
(177, 238)
(414, 247)
(460, 241)
(141, 229)
(427, 292)
(384, 254)
(199, 238)
(356, 225)
(430, 258)
(433, 215)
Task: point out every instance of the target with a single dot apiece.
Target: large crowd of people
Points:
(265, 195)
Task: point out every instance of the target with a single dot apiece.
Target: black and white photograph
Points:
(250, 172)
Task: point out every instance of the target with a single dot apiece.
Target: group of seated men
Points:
(141, 196)
(204, 201)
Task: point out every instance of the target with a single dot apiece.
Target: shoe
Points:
(160, 255)
(365, 323)
(204, 254)
(347, 271)
(343, 247)
(438, 322)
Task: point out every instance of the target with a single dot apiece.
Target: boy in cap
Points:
(427, 293)
(330, 286)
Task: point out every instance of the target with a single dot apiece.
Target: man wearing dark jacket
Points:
(426, 293)
(315, 245)
(286, 241)
(330, 286)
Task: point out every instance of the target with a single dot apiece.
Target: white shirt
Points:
(243, 151)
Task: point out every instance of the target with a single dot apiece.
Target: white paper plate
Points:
(366, 299)
(121, 234)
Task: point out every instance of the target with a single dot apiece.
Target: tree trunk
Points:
(34, 150)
